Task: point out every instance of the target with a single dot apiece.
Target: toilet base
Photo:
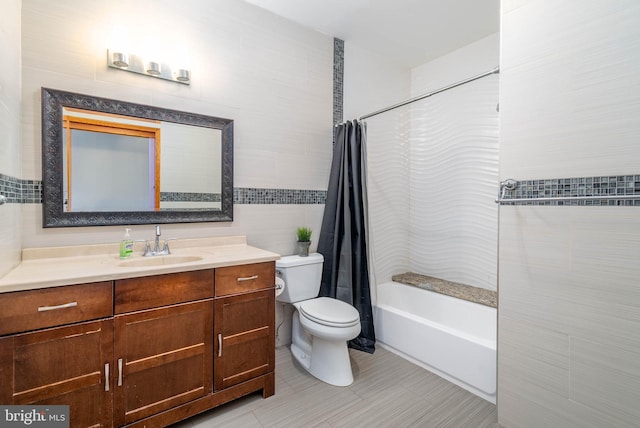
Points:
(327, 360)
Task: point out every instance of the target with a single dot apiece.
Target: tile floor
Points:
(388, 391)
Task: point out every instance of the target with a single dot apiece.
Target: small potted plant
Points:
(304, 241)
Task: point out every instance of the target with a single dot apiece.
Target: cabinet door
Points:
(245, 337)
(163, 358)
(61, 366)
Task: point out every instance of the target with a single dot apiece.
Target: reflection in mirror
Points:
(199, 185)
(115, 163)
(111, 162)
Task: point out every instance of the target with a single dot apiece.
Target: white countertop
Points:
(56, 266)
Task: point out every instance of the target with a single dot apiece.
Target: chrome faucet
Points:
(156, 250)
(158, 233)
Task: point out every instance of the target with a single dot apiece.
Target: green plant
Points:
(304, 234)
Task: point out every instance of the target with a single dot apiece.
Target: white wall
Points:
(10, 85)
(371, 82)
(273, 77)
(388, 194)
(473, 59)
(203, 149)
(569, 314)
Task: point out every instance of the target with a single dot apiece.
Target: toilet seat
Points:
(329, 312)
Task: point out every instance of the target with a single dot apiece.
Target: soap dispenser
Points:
(126, 245)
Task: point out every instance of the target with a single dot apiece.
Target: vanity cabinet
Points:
(163, 359)
(65, 365)
(163, 348)
(244, 323)
(49, 307)
(147, 351)
(69, 364)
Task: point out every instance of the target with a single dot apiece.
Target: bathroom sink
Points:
(159, 261)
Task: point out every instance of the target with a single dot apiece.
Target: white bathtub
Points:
(453, 338)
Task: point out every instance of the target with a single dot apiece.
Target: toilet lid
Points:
(329, 312)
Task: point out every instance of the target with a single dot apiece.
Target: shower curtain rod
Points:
(437, 91)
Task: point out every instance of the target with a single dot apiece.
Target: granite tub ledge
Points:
(449, 288)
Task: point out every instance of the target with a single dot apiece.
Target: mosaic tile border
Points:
(189, 197)
(338, 79)
(20, 191)
(612, 185)
(250, 195)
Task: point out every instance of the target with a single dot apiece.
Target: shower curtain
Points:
(343, 237)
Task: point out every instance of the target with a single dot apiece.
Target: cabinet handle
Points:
(248, 278)
(53, 308)
(219, 344)
(106, 377)
(119, 371)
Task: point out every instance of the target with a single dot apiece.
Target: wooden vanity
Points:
(146, 347)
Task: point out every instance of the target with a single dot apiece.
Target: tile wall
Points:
(10, 86)
(569, 301)
(433, 174)
(454, 156)
(274, 78)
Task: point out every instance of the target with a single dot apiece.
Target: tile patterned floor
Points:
(388, 391)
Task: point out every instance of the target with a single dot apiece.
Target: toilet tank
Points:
(301, 275)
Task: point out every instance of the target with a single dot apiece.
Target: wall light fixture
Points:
(120, 60)
(137, 64)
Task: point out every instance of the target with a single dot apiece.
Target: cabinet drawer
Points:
(49, 307)
(148, 292)
(242, 278)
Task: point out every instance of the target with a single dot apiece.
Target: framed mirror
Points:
(111, 162)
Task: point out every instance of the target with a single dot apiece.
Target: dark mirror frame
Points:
(53, 215)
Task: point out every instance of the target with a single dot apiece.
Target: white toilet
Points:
(321, 326)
